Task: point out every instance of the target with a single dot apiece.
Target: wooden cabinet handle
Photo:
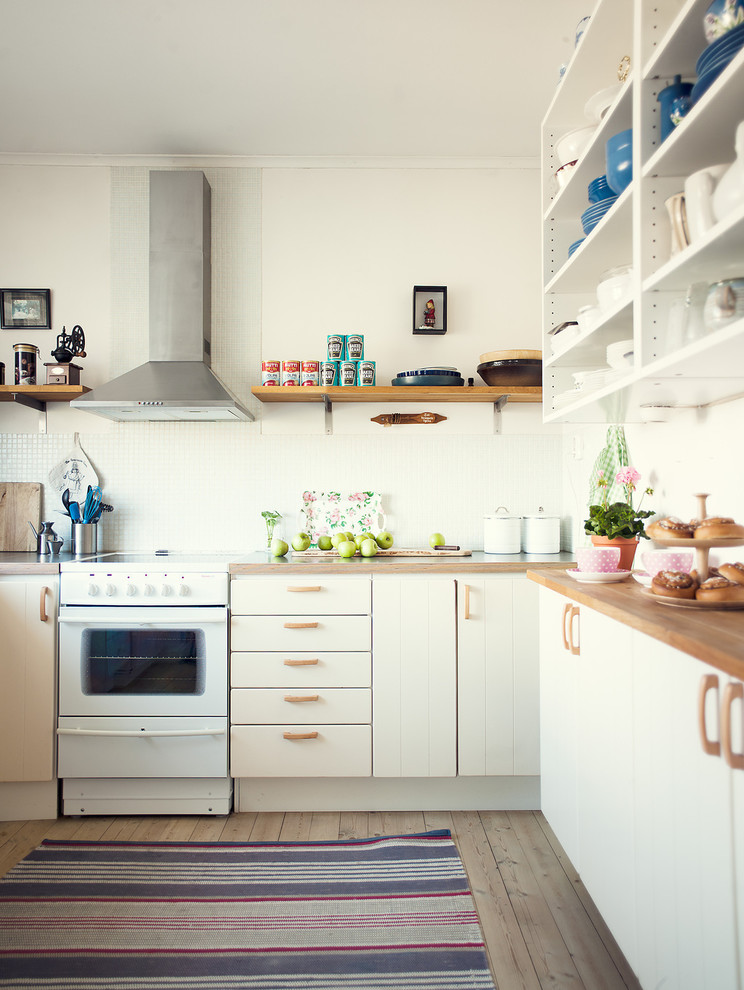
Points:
(466, 603)
(708, 682)
(307, 587)
(566, 612)
(43, 617)
(301, 697)
(301, 663)
(300, 735)
(575, 648)
(732, 691)
(300, 625)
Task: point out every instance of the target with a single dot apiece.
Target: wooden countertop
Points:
(30, 563)
(477, 563)
(715, 637)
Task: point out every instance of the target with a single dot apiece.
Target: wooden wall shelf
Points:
(393, 393)
(36, 396)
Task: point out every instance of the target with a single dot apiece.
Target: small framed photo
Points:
(430, 309)
(25, 308)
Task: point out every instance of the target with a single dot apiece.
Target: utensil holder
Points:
(84, 539)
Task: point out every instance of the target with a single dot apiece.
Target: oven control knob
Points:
(149, 590)
(183, 590)
(166, 590)
(131, 590)
(92, 590)
(110, 590)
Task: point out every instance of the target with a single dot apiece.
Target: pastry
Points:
(718, 528)
(732, 572)
(674, 584)
(669, 528)
(718, 589)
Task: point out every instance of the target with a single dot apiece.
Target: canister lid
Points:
(498, 515)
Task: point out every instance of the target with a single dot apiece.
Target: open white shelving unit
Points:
(663, 40)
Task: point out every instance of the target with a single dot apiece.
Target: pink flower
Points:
(627, 476)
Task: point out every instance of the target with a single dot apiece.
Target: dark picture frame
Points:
(422, 295)
(25, 308)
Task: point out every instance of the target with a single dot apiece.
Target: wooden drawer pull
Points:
(466, 603)
(301, 697)
(575, 648)
(300, 735)
(301, 663)
(300, 625)
(566, 611)
(308, 587)
(43, 616)
(709, 682)
(732, 691)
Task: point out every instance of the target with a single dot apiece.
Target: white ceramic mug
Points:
(699, 188)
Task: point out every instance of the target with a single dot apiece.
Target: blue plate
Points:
(731, 41)
(428, 380)
(599, 190)
(591, 217)
(429, 371)
(575, 246)
(705, 82)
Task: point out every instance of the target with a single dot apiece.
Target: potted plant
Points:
(619, 523)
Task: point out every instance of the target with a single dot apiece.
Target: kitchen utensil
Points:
(563, 174)
(614, 285)
(591, 217)
(569, 146)
(619, 160)
(84, 539)
(601, 577)
(92, 502)
(675, 206)
(541, 533)
(724, 303)
(620, 354)
(74, 472)
(427, 381)
(575, 246)
(597, 105)
(74, 510)
(47, 539)
(667, 560)
(597, 560)
(20, 503)
(502, 533)
(598, 190)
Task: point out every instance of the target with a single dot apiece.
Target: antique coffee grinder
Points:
(69, 345)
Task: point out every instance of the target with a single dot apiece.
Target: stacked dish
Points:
(598, 190)
(429, 377)
(591, 217)
(575, 246)
(714, 60)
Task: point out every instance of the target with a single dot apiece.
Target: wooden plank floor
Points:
(540, 926)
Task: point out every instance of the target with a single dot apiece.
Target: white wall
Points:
(332, 247)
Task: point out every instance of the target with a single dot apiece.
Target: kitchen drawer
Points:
(296, 669)
(304, 633)
(331, 706)
(333, 751)
(300, 596)
(192, 747)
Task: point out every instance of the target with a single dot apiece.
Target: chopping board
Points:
(20, 503)
(388, 553)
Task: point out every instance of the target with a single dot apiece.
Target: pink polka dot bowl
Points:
(597, 560)
(667, 560)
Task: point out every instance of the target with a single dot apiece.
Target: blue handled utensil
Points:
(74, 510)
(92, 502)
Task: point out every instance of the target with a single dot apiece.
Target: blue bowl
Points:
(575, 246)
(599, 190)
(721, 16)
(619, 158)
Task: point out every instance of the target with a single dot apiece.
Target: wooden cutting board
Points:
(389, 553)
(20, 503)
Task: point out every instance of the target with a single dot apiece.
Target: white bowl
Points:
(569, 147)
(563, 174)
(615, 285)
(620, 354)
(598, 104)
(587, 318)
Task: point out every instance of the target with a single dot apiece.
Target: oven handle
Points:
(122, 618)
(142, 733)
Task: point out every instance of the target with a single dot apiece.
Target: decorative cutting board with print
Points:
(388, 553)
(20, 504)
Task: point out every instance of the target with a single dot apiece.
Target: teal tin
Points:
(347, 372)
(329, 372)
(354, 346)
(366, 373)
(336, 350)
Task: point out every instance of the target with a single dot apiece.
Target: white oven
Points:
(143, 688)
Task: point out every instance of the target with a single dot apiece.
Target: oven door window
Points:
(149, 661)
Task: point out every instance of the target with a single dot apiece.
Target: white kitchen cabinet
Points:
(661, 40)
(28, 619)
(300, 676)
(736, 759)
(497, 677)
(414, 680)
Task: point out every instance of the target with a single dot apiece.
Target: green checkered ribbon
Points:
(610, 459)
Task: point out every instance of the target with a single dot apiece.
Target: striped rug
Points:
(388, 913)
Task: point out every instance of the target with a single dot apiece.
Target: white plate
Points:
(601, 577)
(643, 577)
(598, 104)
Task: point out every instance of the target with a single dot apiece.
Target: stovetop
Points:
(151, 561)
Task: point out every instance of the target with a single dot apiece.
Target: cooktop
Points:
(148, 560)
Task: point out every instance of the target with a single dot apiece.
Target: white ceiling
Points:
(351, 78)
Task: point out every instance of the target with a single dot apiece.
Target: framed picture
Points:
(25, 308)
(430, 309)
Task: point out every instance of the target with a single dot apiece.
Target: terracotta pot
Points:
(627, 549)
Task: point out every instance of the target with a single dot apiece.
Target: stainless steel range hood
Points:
(177, 382)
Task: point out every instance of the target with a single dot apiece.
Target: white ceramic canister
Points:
(541, 533)
(502, 532)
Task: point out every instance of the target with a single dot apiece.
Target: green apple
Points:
(325, 543)
(368, 548)
(384, 540)
(300, 542)
(346, 549)
(338, 538)
(349, 536)
(359, 540)
(436, 540)
(279, 548)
